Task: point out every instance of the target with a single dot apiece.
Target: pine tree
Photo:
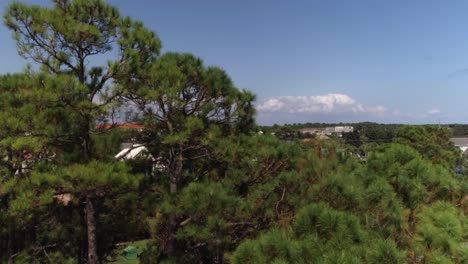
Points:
(71, 89)
(185, 106)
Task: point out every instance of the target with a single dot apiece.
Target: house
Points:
(461, 143)
(132, 151)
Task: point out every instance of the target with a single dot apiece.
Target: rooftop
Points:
(460, 141)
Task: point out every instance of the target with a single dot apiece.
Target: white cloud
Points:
(271, 105)
(328, 103)
(434, 111)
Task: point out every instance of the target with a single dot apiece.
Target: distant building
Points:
(327, 131)
(461, 143)
(343, 129)
(312, 131)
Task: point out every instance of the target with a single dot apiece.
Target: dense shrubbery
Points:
(381, 210)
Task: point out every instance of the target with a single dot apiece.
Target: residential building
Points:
(327, 131)
(461, 143)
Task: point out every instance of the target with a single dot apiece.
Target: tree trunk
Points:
(86, 143)
(412, 230)
(170, 246)
(91, 229)
(412, 220)
(176, 170)
(173, 184)
(83, 253)
(176, 174)
(10, 245)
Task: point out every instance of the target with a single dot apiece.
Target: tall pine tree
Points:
(70, 90)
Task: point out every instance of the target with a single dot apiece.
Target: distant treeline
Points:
(458, 130)
(373, 131)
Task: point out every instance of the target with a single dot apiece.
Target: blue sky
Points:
(323, 60)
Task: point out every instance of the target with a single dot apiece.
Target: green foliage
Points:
(220, 192)
(151, 255)
(33, 199)
(60, 38)
(432, 142)
(50, 114)
(415, 180)
(459, 130)
(375, 200)
(322, 235)
(239, 191)
(327, 223)
(442, 233)
(386, 251)
(106, 145)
